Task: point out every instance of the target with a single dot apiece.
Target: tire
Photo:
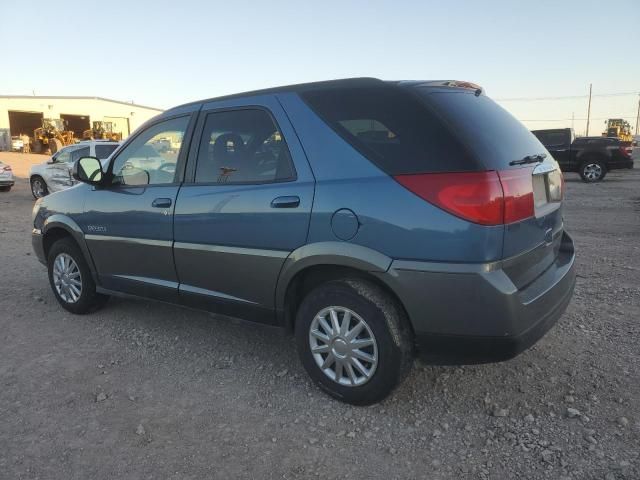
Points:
(385, 323)
(38, 187)
(5, 188)
(84, 298)
(592, 171)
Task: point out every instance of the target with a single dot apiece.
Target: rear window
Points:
(392, 128)
(491, 132)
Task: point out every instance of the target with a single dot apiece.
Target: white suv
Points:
(55, 174)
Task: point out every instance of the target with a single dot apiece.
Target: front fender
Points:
(58, 220)
(339, 254)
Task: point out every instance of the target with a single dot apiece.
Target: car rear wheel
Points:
(38, 187)
(71, 279)
(353, 340)
(593, 171)
(5, 188)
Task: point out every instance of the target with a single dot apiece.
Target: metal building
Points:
(22, 115)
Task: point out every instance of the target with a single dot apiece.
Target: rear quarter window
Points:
(392, 128)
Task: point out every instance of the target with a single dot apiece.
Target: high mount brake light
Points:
(486, 198)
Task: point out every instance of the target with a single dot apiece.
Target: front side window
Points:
(151, 158)
(242, 146)
(64, 156)
(79, 153)
(103, 151)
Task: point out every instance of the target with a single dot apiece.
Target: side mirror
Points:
(51, 161)
(88, 170)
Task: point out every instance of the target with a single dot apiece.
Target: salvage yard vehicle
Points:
(6, 177)
(55, 174)
(17, 144)
(373, 219)
(591, 157)
(102, 131)
(51, 136)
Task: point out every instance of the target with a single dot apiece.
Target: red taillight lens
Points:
(474, 196)
(7, 168)
(487, 198)
(626, 151)
(518, 194)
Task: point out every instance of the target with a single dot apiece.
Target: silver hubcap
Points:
(343, 346)
(37, 188)
(67, 278)
(593, 171)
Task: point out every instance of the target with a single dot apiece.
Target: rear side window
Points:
(242, 146)
(492, 133)
(392, 128)
(550, 139)
(103, 151)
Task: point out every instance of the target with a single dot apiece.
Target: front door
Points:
(58, 173)
(245, 208)
(128, 225)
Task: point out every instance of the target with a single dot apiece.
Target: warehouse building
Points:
(22, 115)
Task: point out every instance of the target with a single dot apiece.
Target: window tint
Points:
(79, 153)
(150, 159)
(63, 156)
(549, 139)
(392, 128)
(493, 134)
(242, 146)
(103, 151)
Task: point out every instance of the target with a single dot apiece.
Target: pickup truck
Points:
(591, 157)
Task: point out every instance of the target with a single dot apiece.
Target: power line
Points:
(568, 97)
(585, 118)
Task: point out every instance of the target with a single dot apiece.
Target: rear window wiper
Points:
(530, 159)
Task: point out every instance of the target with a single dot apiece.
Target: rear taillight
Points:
(626, 151)
(6, 168)
(487, 198)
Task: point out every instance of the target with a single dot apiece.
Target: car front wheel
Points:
(71, 279)
(353, 340)
(38, 187)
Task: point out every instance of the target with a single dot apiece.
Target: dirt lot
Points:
(146, 390)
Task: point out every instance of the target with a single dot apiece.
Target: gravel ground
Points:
(146, 390)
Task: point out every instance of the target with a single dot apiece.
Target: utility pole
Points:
(589, 110)
(638, 116)
(573, 117)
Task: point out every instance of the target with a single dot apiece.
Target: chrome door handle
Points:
(161, 203)
(285, 202)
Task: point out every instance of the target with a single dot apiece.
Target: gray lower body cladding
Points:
(470, 313)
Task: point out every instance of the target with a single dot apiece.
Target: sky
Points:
(163, 53)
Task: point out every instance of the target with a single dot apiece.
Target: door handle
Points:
(285, 202)
(161, 203)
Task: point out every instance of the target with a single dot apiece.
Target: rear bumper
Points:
(621, 164)
(6, 183)
(470, 313)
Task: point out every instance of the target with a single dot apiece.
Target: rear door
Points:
(244, 207)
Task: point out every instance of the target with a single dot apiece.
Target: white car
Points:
(17, 144)
(6, 177)
(55, 174)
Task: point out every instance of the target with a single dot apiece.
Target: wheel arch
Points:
(314, 264)
(59, 226)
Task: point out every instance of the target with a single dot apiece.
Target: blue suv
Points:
(375, 220)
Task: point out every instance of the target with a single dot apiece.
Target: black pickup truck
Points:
(591, 157)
